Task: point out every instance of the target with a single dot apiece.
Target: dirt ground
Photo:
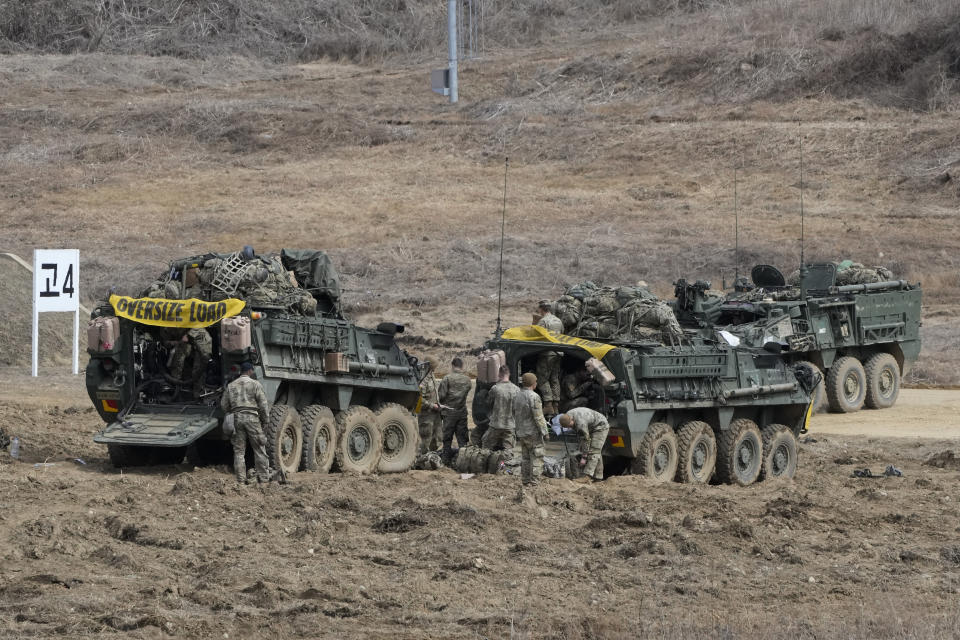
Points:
(178, 551)
(627, 146)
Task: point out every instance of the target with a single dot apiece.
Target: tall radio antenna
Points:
(503, 222)
(800, 136)
(736, 231)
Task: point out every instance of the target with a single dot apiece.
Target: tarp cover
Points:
(315, 272)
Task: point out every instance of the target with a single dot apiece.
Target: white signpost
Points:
(56, 274)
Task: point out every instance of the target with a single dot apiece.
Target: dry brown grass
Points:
(622, 146)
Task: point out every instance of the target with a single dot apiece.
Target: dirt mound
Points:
(16, 298)
(293, 29)
(943, 460)
(919, 69)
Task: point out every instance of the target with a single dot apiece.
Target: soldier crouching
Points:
(592, 429)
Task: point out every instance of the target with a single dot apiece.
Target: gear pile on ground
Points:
(615, 313)
(849, 272)
(429, 461)
(298, 281)
(472, 459)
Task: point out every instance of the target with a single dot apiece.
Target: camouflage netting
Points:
(303, 282)
(849, 272)
(615, 313)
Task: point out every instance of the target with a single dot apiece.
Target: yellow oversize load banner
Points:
(188, 314)
(532, 332)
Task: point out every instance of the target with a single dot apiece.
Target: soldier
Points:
(548, 364)
(452, 394)
(531, 429)
(576, 388)
(501, 433)
(197, 342)
(245, 399)
(592, 428)
(429, 419)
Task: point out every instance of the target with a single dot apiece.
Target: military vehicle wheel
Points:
(168, 455)
(206, 453)
(779, 452)
(319, 438)
(401, 438)
(358, 441)
(284, 438)
(820, 391)
(697, 455)
(657, 456)
(883, 381)
(740, 453)
(846, 385)
(123, 455)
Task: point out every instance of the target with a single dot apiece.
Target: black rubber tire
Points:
(846, 385)
(820, 391)
(167, 455)
(400, 433)
(657, 456)
(319, 438)
(696, 453)
(779, 452)
(358, 441)
(740, 453)
(284, 438)
(883, 381)
(124, 455)
(209, 452)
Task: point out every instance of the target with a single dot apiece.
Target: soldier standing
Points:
(196, 341)
(452, 394)
(531, 428)
(245, 399)
(429, 419)
(548, 364)
(592, 428)
(501, 433)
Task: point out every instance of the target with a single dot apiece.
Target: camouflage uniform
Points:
(201, 346)
(548, 366)
(453, 392)
(592, 428)
(481, 413)
(575, 392)
(502, 431)
(531, 428)
(244, 397)
(429, 418)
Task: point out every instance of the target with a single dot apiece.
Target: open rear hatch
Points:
(160, 428)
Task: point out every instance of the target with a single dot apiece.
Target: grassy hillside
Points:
(624, 123)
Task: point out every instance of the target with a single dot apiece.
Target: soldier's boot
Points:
(446, 456)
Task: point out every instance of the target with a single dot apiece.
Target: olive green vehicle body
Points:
(699, 380)
(825, 323)
(142, 407)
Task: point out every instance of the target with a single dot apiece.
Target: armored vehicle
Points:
(693, 410)
(339, 394)
(859, 338)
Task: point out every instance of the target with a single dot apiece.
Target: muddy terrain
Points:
(641, 134)
(178, 551)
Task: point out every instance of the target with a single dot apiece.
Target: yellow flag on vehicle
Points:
(531, 332)
(187, 314)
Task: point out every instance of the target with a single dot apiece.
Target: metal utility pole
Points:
(452, 47)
